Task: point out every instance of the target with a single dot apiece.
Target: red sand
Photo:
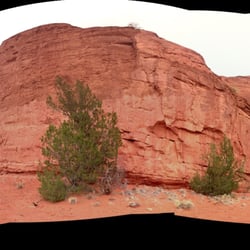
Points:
(20, 201)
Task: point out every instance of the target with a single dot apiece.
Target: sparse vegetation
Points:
(83, 149)
(223, 173)
(134, 25)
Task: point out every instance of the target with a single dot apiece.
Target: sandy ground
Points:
(20, 201)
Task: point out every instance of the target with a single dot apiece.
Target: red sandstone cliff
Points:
(170, 105)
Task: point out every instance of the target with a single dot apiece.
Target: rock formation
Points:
(170, 105)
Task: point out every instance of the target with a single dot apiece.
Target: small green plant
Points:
(84, 146)
(223, 173)
(53, 188)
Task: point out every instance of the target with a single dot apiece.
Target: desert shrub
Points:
(134, 25)
(85, 144)
(52, 186)
(223, 172)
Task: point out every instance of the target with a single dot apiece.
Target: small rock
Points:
(89, 196)
(133, 204)
(128, 192)
(72, 200)
(184, 204)
(19, 185)
(132, 197)
(183, 193)
(142, 191)
(96, 204)
(155, 192)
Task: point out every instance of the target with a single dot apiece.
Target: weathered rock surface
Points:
(170, 105)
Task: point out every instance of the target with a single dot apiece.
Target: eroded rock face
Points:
(170, 105)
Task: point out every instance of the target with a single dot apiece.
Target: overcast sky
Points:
(222, 38)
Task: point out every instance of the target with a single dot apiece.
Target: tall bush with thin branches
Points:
(84, 146)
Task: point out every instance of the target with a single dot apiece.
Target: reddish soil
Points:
(20, 201)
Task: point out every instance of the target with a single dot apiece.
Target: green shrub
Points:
(86, 143)
(223, 173)
(52, 187)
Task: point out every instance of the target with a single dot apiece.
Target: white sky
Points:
(222, 38)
